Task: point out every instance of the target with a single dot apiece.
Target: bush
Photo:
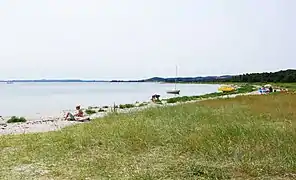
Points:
(142, 104)
(90, 111)
(105, 107)
(15, 119)
(172, 100)
(101, 110)
(92, 107)
(124, 106)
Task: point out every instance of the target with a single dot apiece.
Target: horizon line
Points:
(140, 79)
(75, 79)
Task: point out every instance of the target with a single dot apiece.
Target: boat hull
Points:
(174, 92)
(226, 89)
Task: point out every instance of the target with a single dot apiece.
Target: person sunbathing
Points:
(72, 117)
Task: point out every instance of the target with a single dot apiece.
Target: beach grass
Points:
(246, 137)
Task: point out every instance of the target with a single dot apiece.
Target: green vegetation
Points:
(158, 102)
(105, 107)
(182, 99)
(291, 86)
(92, 107)
(15, 119)
(125, 106)
(101, 110)
(245, 88)
(286, 76)
(247, 137)
(90, 111)
(142, 104)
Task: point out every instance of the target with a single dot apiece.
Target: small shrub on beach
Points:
(105, 107)
(101, 110)
(92, 107)
(124, 106)
(15, 119)
(90, 111)
(142, 104)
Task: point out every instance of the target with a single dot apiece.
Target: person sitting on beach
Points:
(155, 98)
(71, 117)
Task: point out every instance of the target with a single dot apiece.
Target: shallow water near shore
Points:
(34, 100)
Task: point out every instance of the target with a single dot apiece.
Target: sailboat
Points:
(175, 91)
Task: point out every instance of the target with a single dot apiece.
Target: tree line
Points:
(284, 76)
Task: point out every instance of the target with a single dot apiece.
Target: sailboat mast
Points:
(176, 78)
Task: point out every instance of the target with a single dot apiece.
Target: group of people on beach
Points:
(265, 90)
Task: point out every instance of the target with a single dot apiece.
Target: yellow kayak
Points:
(226, 88)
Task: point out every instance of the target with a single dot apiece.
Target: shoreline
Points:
(58, 123)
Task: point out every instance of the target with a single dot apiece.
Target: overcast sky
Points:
(134, 39)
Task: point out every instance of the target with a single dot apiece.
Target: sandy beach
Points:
(46, 124)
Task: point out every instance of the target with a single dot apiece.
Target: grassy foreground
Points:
(241, 138)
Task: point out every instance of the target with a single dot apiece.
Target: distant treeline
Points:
(284, 76)
(287, 76)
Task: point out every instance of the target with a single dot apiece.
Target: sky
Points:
(133, 39)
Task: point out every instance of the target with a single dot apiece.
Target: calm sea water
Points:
(36, 99)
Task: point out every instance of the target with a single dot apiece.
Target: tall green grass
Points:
(240, 138)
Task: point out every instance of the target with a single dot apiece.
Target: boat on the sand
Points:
(226, 89)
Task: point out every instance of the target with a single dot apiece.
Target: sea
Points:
(36, 99)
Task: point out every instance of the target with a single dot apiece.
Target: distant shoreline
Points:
(46, 81)
(283, 76)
